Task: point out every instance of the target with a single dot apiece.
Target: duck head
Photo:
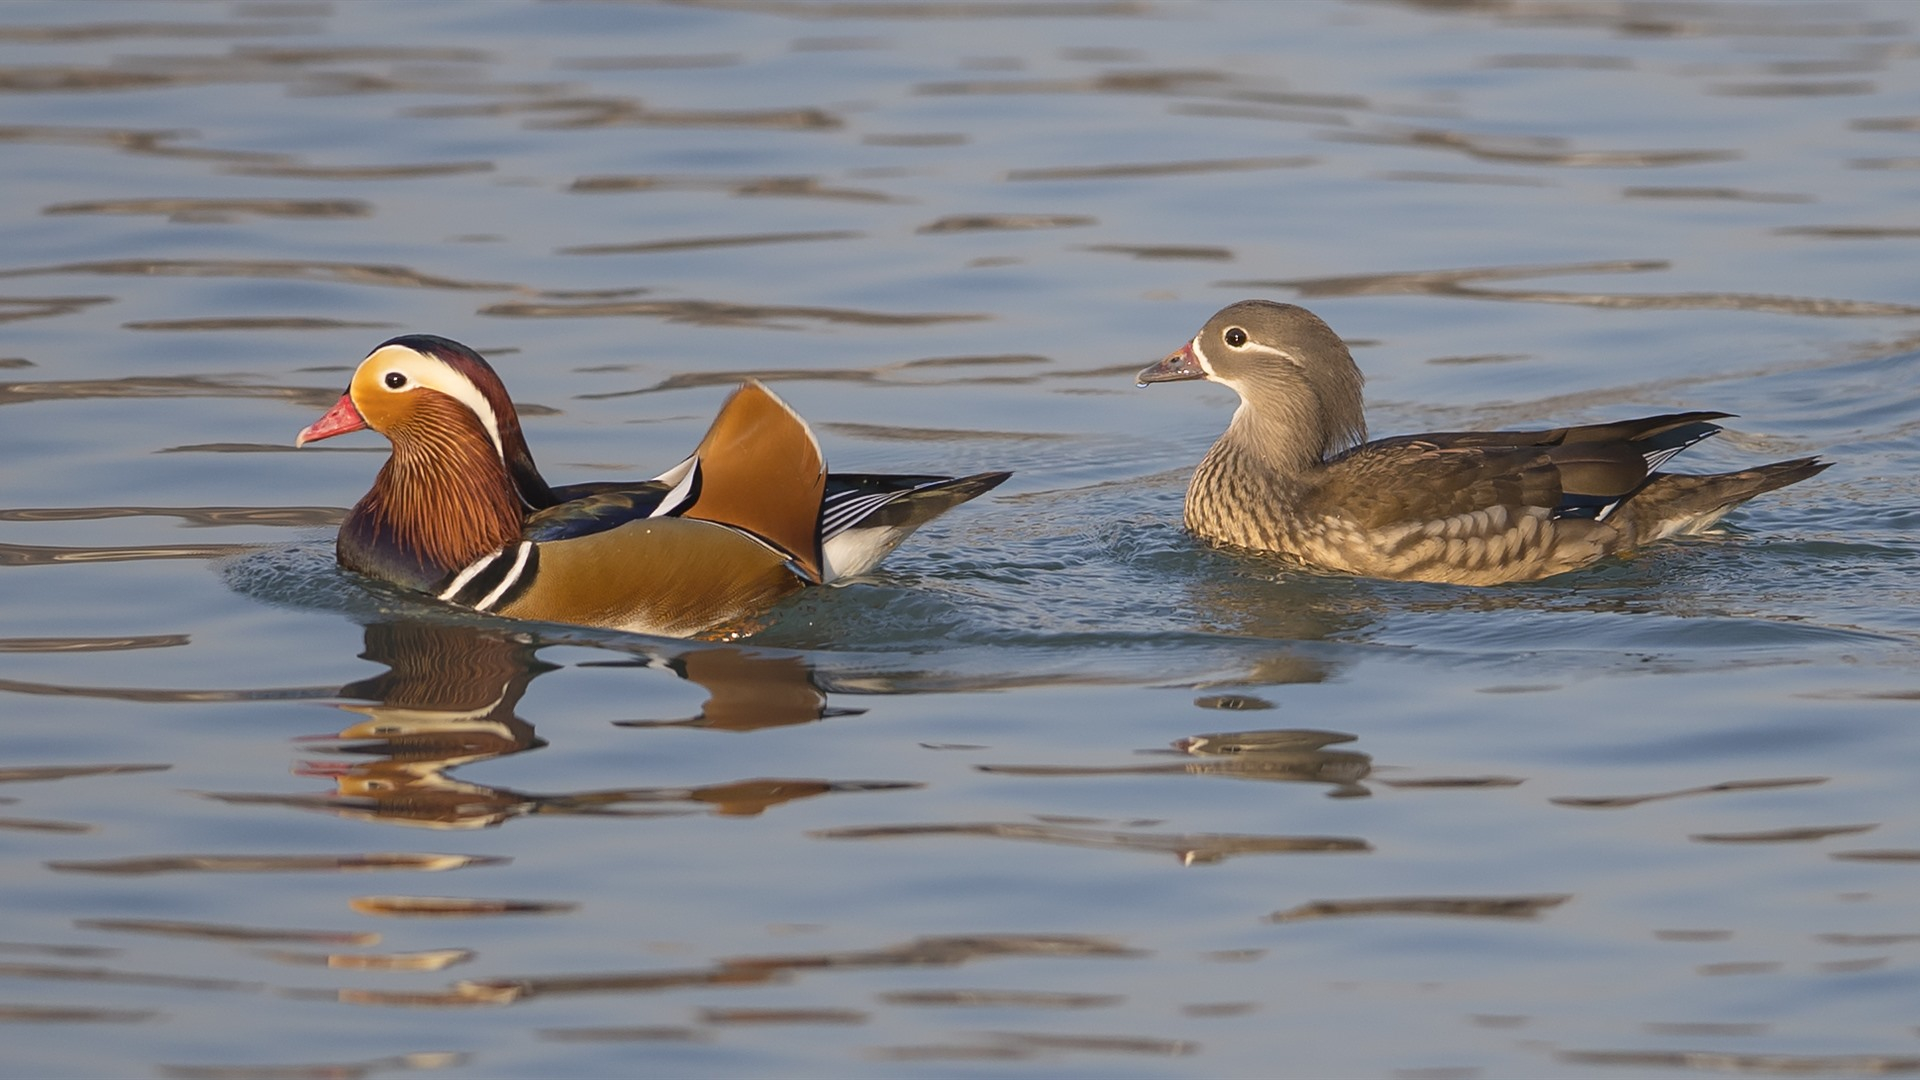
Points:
(1300, 391)
(461, 479)
(414, 386)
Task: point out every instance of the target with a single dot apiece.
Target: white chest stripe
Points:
(472, 571)
(519, 553)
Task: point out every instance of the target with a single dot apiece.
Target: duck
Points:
(460, 512)
(1295, 475)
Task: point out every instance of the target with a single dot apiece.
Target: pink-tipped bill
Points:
(340, 419)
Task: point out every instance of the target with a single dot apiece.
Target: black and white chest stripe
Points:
(492, 580)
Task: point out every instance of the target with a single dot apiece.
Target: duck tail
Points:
(1678, 504)
(867, 516)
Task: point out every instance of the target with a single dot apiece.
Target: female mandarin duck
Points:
(1293, 474)
(459, 510)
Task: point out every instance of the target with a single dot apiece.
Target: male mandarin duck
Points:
(460, 512)
(1293, 473)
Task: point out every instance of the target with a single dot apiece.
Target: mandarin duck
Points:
(1293, 473)
(460, 512)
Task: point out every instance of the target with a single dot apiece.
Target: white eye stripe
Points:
(436, 374)
(1200, 354)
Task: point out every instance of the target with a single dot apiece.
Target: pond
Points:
(1058, 790)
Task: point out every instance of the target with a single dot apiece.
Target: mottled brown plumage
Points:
(1293, 474)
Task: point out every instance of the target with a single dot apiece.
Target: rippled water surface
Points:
(1059, 791)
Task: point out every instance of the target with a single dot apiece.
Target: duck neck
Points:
(439, 503)
(1288, 440)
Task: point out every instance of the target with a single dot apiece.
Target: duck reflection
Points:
(446, 699)
(1296, 755)
(450, 696)
(746, 691)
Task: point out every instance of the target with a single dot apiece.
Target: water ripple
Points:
(1454, 283)
(201, 210)
(289, 269)
(719, 313)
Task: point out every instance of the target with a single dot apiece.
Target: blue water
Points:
(1652, 818)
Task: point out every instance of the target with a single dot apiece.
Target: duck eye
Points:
(1236, 337)
(395, 380)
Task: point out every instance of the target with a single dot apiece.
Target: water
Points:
(1650, 819)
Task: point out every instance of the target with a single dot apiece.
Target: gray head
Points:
(1297, 382)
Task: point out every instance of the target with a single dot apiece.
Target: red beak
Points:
(340, 419)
